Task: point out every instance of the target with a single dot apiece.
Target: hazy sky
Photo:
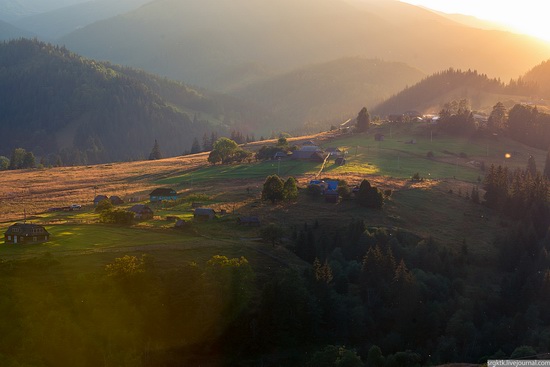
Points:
(525, 16)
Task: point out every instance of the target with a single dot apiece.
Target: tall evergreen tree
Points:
(195, 147)
(497, 119)
(155, 152)
(532, 166)
(363, 120)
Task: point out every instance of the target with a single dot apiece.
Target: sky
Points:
(526, 16)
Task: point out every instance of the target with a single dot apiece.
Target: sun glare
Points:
(527, 17)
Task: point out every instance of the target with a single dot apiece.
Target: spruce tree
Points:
(195, 147)
(155, 153)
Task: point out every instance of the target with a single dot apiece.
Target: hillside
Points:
(56, 103)
(429, 95)
(15, 9)
(8, 31)
(53, 24)
(201, 42)
(328, 93)
(540, 75)
(415, 281)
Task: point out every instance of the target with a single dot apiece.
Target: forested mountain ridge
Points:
(58, 104)
(201, 42)
(327, 93)
(433, 91)
(540, 75)
(58, 22)
(9, 31)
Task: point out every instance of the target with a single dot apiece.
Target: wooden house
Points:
(204, 214)
(306, 152)
(100, 198)
(142, 212)
(26, 233)
(162, 194)
(116, 200)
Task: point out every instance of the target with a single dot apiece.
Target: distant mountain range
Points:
(15, 9)
(8, 31)
(56, 23)
(328, 93)
(59, 104)
(205, 41)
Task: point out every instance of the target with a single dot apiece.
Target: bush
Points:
(369, 196)
(430, 154)
(116, 216)
(104, 204)
(314, 191)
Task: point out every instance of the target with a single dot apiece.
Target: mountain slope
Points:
(329, 92)
(540, 75)
(56, 23)
(432, 92)
(8, 31)
(54, 102)
(15, 9)
(202, 41)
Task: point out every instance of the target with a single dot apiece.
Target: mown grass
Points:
(243, 171)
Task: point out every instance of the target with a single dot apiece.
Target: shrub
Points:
(104, 204)
(314, 190)
(116, 216)
(430, 154)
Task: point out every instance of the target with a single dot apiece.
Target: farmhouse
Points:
(280, 155)
(306, 152)
(161, 194)
(142, 211)
(26, 233)
(100, 198)
(116, 200)
(204, 214)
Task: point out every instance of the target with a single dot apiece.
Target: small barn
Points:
(280, 155)
(249, 221)
(306, 152)
(204, 214)
(26, 233)
(116, 200)
(162, 194)
(100, 198)
(142, 212)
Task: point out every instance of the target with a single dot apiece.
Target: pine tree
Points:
(155, 152)
(532, 166)
(195, 147)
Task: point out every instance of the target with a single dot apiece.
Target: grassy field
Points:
(425, 207)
